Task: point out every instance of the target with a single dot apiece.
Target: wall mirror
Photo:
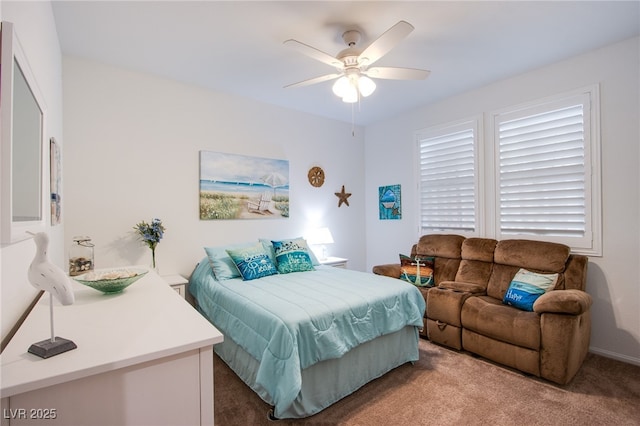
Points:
(22, 112)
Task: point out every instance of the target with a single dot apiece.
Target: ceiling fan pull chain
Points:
(353, 122)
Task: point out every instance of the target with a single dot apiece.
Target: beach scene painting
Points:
(390, 205)
(236, 186)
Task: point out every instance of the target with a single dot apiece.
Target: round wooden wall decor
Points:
(316, 176)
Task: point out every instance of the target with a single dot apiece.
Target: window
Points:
(546, 183)
(546, 163)
(448, 178)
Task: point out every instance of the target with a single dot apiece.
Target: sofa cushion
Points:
(445, 269)
(488, 316)
(446, 249)
(474, 271)
(538, 256)
(480, 249)
(417, 270)
(501, 276)
(526, 287)
(477, 261)
(445, 246)
(462, 287)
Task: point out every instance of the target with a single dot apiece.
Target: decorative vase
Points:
(153, 261)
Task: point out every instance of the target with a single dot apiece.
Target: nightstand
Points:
(336, 262)
(178, 283)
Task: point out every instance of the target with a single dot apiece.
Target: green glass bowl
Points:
(103, 281)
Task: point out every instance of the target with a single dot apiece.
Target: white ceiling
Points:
(237, 46)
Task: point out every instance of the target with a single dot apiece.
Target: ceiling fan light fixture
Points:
(353, 63)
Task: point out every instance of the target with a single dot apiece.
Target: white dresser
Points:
(144, 357)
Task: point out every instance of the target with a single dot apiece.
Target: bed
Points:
(304, 340)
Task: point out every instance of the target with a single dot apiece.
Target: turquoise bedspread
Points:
(289, 322)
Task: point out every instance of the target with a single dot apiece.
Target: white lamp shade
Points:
(350, 93)
(341, 86)
(366, 86)
(319, 236)
(351, 96)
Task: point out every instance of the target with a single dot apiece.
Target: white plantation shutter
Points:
(543, 171)
(448, 179)
(543, 181)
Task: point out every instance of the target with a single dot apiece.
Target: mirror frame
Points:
(12, 231)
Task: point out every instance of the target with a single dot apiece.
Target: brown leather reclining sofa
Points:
(465, 309)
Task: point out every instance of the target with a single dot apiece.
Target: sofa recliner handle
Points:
(441, 325)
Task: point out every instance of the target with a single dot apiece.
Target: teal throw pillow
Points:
(268, 245)
(417, 270)
(252, 262)
(526, 287)
(224, 268)
(292, 256)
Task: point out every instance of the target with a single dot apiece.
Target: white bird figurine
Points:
(44, 275)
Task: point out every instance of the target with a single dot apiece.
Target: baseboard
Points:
(614, 355)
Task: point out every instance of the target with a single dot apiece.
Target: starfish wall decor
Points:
(343, 196)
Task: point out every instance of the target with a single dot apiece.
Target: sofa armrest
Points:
(573, 302)
(389, 270)
(474, 289)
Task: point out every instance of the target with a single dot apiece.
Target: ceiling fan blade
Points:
(392, 73)
(314, 53)
(385, 42)
(314, 80)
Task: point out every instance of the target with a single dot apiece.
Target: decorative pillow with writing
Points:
(292, 256)
(268, 245)
(417, 270)
(252, 262)
(526, 287)
(224, 268)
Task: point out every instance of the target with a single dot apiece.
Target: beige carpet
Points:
(450, 388)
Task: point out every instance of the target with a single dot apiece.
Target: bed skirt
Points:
(328, 381)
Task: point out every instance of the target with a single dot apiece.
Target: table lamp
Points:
(320, 237)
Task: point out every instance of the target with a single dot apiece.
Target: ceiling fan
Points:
(353, 63)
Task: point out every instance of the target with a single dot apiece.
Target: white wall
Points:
(35, 28)
(614, 278)
(131, 154)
